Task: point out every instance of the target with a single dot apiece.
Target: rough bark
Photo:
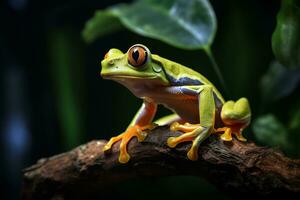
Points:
(234, 167)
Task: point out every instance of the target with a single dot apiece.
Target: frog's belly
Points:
(187, 109)
(180, 102)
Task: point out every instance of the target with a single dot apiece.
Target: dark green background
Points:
(53, 98)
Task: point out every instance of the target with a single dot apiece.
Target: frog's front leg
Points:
(141, 121)
(235, 116)
(196, 133)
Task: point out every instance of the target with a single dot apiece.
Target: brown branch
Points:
(233, 167)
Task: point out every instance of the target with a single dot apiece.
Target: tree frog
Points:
(199, 108)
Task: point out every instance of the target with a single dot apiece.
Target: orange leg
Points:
(228, 131)
(140, 122)
(188, 136)
(194, 133)
(227, 135)
(133, 131)
(239, 136)
(186, 127)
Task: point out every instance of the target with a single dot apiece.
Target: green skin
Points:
(184, 91)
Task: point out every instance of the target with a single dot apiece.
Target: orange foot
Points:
(194, 133)
(228, 131)
(133, 131)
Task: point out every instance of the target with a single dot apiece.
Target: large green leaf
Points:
(286, 38)
(104, 22)
(185, 24)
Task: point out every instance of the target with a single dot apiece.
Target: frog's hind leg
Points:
(186, 127)
(229, 131)
(190, 135)
(197, 133)
(236, 117)
(196, 136)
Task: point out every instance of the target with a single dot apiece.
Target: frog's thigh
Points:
(206, 101)
(167, 120)
(207, 117)
(203, 130)
(207, 107)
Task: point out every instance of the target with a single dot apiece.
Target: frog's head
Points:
(136, 66)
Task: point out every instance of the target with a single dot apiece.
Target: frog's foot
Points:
(228, 131)
(186, 127)
(133, 131)
(192, 132)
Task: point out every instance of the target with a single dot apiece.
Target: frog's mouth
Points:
(125, 76)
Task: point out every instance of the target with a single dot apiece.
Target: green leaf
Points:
(279, 82)
(270, 131)
(286, 37)
(103, 22)
(184, 24)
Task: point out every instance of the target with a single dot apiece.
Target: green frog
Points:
(199, 109)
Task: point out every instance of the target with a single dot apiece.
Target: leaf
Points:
(184, 24)
(279, 82)
(103, 22)
(286, 37)
(270, 131)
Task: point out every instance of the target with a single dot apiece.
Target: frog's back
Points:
(179, 75)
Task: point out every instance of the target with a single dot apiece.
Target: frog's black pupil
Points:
(135, 54)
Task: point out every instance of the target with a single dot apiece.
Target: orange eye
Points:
(137, 56)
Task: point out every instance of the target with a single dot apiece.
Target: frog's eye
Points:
(137, 55)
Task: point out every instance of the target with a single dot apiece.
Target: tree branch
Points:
(234, 167)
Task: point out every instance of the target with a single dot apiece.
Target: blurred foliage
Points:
(286, 37)
(269, 130)
(66, 76)
(281, 81)
(278, 82)
(104, 22)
